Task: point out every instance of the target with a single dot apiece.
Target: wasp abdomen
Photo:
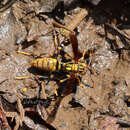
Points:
(47, 64)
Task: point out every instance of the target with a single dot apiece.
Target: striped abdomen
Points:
(47, 64)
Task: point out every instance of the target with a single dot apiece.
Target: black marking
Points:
(72, 67)
(62, 67)
(48, 65)
(57, 65)
(43, 64)
(37, 64)
(81, 69)
(78, 68)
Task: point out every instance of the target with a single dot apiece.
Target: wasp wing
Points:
(74, 42)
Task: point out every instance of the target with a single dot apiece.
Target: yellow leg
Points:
(56, 43)
(30, 54)
(82, 84)
(61, 81)
(57, 47)
(79, 82)
(55, 90)
(67, 56)
(83, 55)
(24, 53)
(22, 77)
(68, 76)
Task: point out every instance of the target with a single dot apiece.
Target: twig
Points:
(77, 19)
(5, 124)
(7, 5)
(3, 81)
(20, 109)
(43, 94)
(123, 123)
(119, 31)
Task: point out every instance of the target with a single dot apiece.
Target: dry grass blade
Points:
(3, 119)
(7, 5)
(119, 31)
(62, 26)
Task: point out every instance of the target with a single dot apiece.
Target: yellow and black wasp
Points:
(74, 68)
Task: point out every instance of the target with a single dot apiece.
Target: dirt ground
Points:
(104, 101)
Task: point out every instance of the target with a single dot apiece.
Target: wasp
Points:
(74, 68)
(54, 65)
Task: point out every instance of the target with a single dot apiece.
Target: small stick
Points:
(74, 23)
(56, 41)
(3, 81)
(3, 119)
(14, 115)
(20, 109)
(77, 19)
(62, 26)
(7, 5)
(124, 123)
(119, 31)
(43, 94)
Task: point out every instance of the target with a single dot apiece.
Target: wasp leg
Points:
(79, 82)
(55, 89)
(83, 55)
(82, 84)
(67, 56)
(22, 77)
(30, 54)
(58, 48)
(24, 53)
(63, 80)
(43, 94)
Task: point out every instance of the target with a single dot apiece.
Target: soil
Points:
(104, 99)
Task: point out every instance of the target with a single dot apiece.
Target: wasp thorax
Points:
(75, 67)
